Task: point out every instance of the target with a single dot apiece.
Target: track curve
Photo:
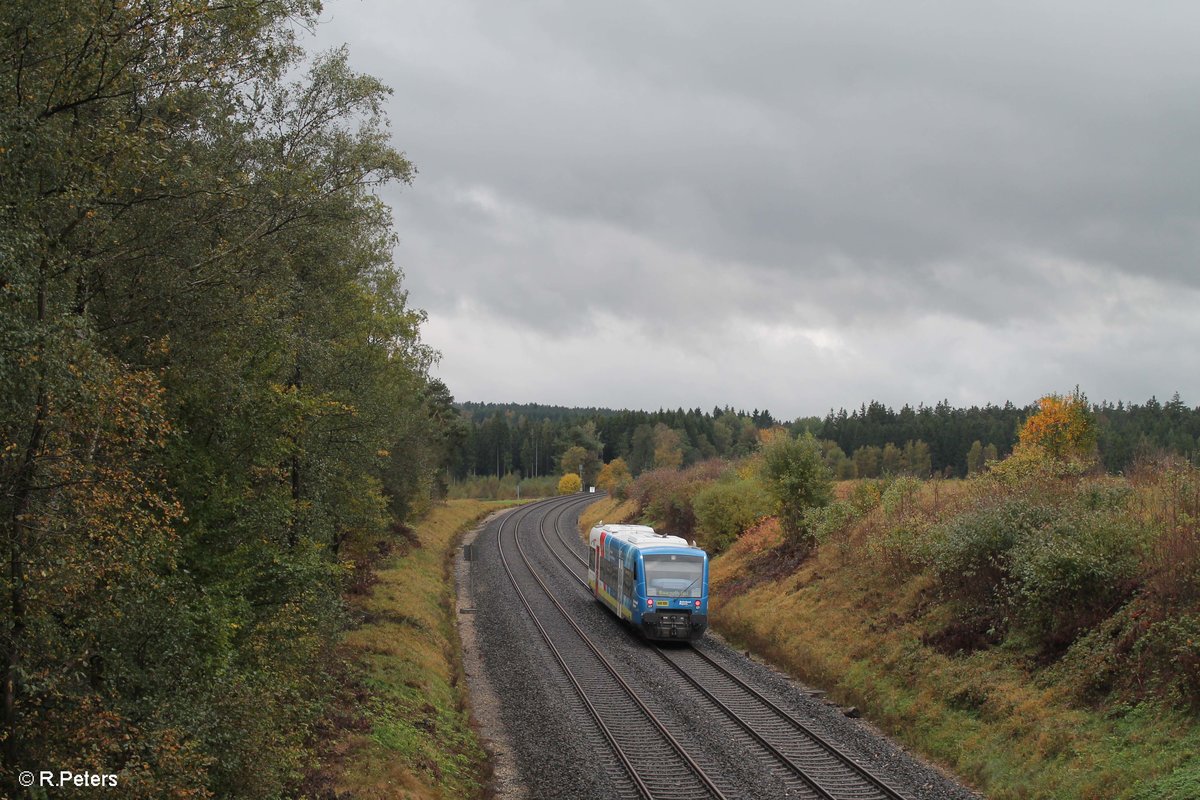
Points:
(657, 764)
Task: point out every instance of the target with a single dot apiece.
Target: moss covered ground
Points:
(408, 732)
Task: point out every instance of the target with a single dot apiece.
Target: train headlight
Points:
(697, 604)
(649, 602)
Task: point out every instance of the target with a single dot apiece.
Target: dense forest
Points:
(871, 440)
(213, 392)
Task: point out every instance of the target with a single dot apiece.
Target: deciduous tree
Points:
(615, 477)
(1063, 426)
(797, 477)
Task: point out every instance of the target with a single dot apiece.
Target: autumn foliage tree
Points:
(211, 386)
(1063, 427)
(615, 477)
(581, 461)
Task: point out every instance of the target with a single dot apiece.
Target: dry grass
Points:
(1167, 493)
(851, 620)
(412, 737)
(608, 509)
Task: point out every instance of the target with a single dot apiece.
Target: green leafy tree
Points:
(668, 447)
(866, 461)
(916, 459)
(576, 458)
(215, 390)
(796, 476)
(641, 450)
(975, 458)
(891, 460)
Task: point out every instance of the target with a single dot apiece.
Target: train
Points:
(656, 582)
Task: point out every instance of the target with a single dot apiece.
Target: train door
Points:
(628, 580)
(593, 572)
(621, 581)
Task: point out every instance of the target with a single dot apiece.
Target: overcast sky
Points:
(795, 205)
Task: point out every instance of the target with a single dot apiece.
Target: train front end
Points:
(672, 593)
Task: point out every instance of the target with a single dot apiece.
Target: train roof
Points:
(641, 536)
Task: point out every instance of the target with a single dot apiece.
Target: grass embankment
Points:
(411, 736)
(861, 620)
(609, 509)
(846, 627)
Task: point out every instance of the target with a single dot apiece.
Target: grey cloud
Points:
(822, 165)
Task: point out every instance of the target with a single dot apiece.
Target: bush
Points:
(825, 522)
(1055, 569)
(899, 496)
(799, 480)
(1031, 468)
(1169, 490)
(970, 552)
(1106, 494)
(665, 496)
(1075, 570)
(569, 484)
(725, 509)
(865, 496)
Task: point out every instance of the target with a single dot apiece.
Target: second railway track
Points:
(658, 765)
(803, 759)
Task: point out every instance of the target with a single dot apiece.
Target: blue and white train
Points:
(656, 582)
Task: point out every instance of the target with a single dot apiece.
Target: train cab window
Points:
(674, 575)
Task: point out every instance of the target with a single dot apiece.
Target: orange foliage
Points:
(1062, 426)
(768, 435)
(614, 476)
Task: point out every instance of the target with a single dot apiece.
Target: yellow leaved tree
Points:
(1063, 427)
(615, 476)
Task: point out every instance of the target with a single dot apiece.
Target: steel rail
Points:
(874, 782)
(571, 550)
(643, 788)
(558, 533)
(874, 785)
(620, 753)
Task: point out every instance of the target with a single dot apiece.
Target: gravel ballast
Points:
(545, 744)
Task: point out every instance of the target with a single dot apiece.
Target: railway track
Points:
(817, 763)
(813, 766)
(658, 766)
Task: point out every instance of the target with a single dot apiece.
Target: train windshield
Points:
(674, 575)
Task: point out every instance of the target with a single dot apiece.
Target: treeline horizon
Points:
(873, 439)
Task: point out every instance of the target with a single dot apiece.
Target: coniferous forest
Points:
(867, 442)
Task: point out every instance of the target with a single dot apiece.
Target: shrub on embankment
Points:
(1035, 627)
